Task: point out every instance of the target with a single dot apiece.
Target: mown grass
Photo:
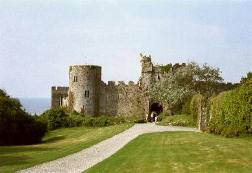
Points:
(178, 120)
(180, 152)
(56, 144)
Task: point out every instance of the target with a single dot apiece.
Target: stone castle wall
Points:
(109, 98)
(58, 94)
(123, 100)
(87, 93)
(132, 101)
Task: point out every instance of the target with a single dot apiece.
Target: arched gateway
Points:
(154, 110)
(156, 107)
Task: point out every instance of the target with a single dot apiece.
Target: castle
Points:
(88, 94)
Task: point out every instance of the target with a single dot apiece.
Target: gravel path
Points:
(80, 161)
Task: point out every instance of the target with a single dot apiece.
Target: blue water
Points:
(35, 105)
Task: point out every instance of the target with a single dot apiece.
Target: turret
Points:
(146, 64)
(84, 88)
(146, 71)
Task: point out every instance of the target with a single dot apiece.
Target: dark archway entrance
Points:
(156, 107)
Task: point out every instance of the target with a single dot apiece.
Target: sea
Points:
(35, 105)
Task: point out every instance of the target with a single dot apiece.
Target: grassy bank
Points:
(56, 144)
(181, 152)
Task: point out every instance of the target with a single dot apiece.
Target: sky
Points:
(39, 39)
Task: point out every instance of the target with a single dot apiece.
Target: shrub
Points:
(118, 120)
(16, 126)
(166, 68)
(56, 118)
(186, 107)
(216, 124)
(166, 113)
(195, 106)
(103, 121)
(74, 120)
(161, 116)
(231, 112)
(100, 121)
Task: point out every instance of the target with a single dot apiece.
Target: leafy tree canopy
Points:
(17, 126)
(247, 78)
(185, 81)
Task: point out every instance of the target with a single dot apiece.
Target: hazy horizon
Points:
(40, 39)
(35, 105)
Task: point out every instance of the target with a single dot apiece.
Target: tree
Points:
(17, 126)
(185, 81)
(166, 68)
(175, 87)
(247, 78)
(56, 118)
(207, 80)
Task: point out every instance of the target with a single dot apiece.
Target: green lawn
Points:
(181, 152)
(56, 144)
(178, 120)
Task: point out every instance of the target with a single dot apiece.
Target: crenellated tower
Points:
(84, 88)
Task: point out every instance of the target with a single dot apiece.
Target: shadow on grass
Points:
(19, 155)
(8, 157)
(13, 160)
(53, 139)
(21, 149)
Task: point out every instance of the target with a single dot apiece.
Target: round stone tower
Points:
(84, 89)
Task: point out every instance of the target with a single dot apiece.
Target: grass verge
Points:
(56, 144)
(180, 152)
(178, 120)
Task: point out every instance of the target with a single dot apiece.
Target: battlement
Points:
(121, 83)
(59, 88)
(118, 83)
(145, 58)
(85, 67)
(131, 83)
(111, 83)
(59, 93)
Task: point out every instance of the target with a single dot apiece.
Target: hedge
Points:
(195, 106)
(231, 112)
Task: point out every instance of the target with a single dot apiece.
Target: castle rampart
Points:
(121, 99)
(87, 93)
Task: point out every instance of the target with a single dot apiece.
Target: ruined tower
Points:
(84, 88)
(146, 71)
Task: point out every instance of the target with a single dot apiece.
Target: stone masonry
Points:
(87, 93)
